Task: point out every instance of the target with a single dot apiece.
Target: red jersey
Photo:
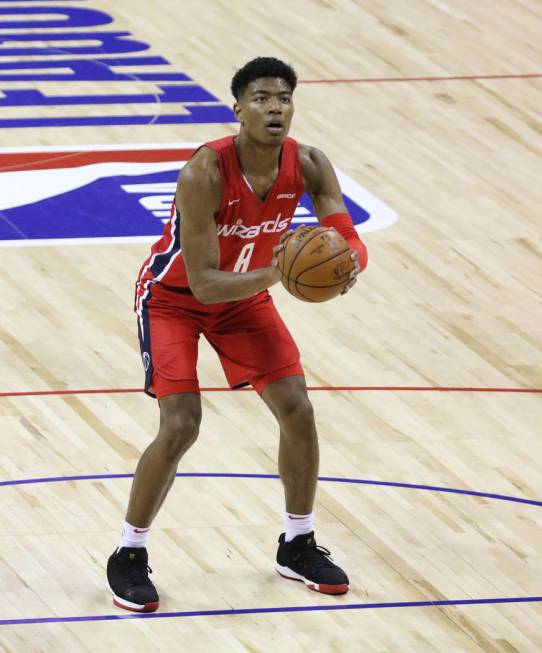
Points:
(247, 227)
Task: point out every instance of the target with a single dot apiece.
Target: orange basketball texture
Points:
(315, 264)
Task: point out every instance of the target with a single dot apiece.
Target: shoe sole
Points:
(133, 607)
(288, 573)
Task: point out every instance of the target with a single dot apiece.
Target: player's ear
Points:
(238, 111)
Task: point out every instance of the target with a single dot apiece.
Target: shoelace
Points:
(325, 556)
(320, 556)
(137, 573)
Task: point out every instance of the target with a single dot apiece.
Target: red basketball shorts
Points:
(251, 340)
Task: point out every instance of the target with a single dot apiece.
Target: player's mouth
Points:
(275, 127)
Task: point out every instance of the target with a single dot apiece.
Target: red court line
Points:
(49, 160)
(451, 78)
(344, 388)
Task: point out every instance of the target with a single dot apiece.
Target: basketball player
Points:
(235, 200)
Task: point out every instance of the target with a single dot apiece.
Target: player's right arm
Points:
(198, 201)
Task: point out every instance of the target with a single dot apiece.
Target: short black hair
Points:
(262, 67)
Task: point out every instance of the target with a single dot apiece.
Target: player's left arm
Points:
(322, 185)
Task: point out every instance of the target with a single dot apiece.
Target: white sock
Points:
(297, 525)
(133, 536)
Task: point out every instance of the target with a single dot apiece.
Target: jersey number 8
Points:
(243, 260)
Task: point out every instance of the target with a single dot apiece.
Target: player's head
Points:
(262, 67)
(263, 91)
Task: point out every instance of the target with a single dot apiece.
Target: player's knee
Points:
(177, 434)
(297, 409)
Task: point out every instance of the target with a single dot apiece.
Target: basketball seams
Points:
(326, 285)
(313, 285)
(301, 295)
(291, 263)
(318, 233)
(330, 258)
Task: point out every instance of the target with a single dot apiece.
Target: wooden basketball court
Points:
(427, 377)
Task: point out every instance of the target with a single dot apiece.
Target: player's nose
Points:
(275, 105)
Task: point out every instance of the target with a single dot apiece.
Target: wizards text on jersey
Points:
(252, 231)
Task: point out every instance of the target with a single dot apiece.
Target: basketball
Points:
(315, 264)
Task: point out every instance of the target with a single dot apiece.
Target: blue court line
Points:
(308, 608)
(241, 611)
(326, 479)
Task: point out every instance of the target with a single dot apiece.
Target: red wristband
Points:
(342, 222)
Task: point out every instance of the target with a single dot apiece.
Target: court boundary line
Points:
(243, 611)
(249, 475)
(279, 609)
(330, 388)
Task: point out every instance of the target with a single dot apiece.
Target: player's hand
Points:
(290, 232)
(353, 275)
(278, 249)
(284, 239)
(282, 244)
(276, 273)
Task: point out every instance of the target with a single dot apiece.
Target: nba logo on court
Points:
(89, 194)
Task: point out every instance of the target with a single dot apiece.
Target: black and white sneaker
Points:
(302, 559)
(128, 579)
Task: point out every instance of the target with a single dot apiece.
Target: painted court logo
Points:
(90, 194)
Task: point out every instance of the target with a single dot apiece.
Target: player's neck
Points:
(254, 158)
